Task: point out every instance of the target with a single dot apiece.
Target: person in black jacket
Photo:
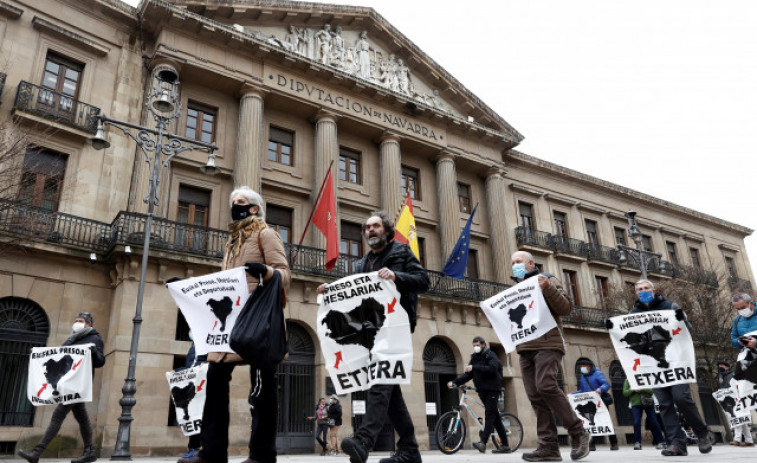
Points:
(82, 333)
(393, 261)
(335, 422)
(486, 371)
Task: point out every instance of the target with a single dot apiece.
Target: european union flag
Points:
(458, 260)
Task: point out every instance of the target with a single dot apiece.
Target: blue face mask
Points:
(646, 296)
(519, 271)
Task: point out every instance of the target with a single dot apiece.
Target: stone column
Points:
(495, 206)
(446, 192)
(250, 143)
(391, 173)
(326, 150)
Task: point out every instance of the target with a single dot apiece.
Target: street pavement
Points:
(626, 454)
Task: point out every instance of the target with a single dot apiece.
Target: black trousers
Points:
(80, 413)
(215, 416)
(492, 419)
(385, 401)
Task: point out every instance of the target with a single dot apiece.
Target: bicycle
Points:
(450, 430)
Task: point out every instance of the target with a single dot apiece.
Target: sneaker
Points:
(403, 456)
(89, 456)
(191, 453)
(353, 447)
(704, 444)
(661, 446)
(579, 445)
(195, 459)
(614, 446)
(675, 451)
(31, 456)
(480, 446)
(736, 443)
(550, 452)
(637, 445)
(747, 444)
(505, 449)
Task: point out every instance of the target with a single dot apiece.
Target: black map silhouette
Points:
(587, 410)
(517, 314)
(182, 396)
(221, 309)
(55, 369)
(728, 403)
(652, 342)
(746, 368)
(358, 326)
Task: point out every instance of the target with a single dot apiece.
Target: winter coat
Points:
(724, 379)
(411, 278)
(275, 258)
(595, 379)
(335, 413)
(742, 326)
(634, 398)
(486, 372)
(90, 337)
(559, 305)
(659, 303)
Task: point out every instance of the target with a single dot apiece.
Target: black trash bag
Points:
(259, 334)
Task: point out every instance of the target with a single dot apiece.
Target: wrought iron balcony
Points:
(739, 284)
(586, 316)
(55, 106)
(570, 246)
(466, 288)
(538, 239)
(599, 253)
(696, 275)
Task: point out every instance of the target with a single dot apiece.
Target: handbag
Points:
(647, 401)
(606, 396)
(331, 421)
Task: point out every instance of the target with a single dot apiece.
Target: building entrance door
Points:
(296, 380)
(439, 369)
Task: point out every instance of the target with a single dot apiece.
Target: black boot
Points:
(32, 456)
(88, 456)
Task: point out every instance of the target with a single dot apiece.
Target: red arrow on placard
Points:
(676, 331)
(390, 307)
(199, 388)
(531, 304)
(214, 325)
(239, 298)
(44, 386)
(338, 359)
(636, 364)
(599, 404)
(76, 364)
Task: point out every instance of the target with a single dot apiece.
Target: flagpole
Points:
(312, 211)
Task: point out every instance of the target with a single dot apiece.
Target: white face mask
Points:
(78, 326)
(477, 349)
(745, 312)
(584, 370)
(191, 336)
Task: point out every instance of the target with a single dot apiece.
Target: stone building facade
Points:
(284, 89)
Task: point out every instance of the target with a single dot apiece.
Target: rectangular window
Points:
(591, 232)
(281, 146)
(730, 265)
(646, 242)
(471, 270)
(349, 166)
(464, 197)
(201, 123)
(60, 84)
(422, 251)
(695, 257)
(571, 286)
(526, 213)
(620, 235)
(603, 291)
(42, 179)
(411, 183)
(192, 210)
(280, 219)
(672, 254)
(561, 224)
(351, 240)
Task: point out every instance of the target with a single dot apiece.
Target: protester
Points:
(641, 402)
(486, 371)
(194, 443)
(259, 249)
(593, 380)
(82, 332)
(676, 396)
(335, 421)
(539, 363)
(745, 322)
(393, 261)
(322, 424)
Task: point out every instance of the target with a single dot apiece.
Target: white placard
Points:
(188, 388)
(60, 375)
(431, 408)
(592, 412)
(728, 400)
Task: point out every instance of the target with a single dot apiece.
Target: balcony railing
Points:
(739, 284)
(539, 239)
(586, 316)
(466, 288)
(603, 253)
(56, 106)
(696, 275)
(570, 246)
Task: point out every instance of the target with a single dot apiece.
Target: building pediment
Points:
(355, 43)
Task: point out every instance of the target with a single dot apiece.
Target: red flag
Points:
(325, 220)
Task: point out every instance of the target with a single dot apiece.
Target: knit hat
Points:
(333, 396)
(86, 316)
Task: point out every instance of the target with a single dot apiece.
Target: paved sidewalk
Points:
(720, 453)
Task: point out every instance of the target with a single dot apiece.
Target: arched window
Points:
(23, 325)
(439, 367)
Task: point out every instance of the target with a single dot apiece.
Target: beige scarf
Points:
(239, 231)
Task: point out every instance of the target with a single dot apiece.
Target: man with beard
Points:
(393, 261)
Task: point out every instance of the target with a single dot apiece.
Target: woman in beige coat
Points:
(248, 233)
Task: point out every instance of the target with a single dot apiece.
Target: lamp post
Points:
(641, 255)
(158, 146)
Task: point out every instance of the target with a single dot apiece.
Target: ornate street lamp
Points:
(158, 146)
(641, 255)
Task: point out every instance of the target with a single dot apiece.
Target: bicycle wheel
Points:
(450, 432)
(514, 430)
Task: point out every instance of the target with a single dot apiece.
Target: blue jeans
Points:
(637, 411)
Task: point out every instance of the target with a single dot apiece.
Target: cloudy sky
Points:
(658, 96)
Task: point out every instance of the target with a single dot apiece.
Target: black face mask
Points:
(240, 211)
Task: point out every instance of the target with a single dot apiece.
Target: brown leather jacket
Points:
(559, 305)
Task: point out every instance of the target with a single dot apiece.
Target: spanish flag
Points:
(405, 228)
